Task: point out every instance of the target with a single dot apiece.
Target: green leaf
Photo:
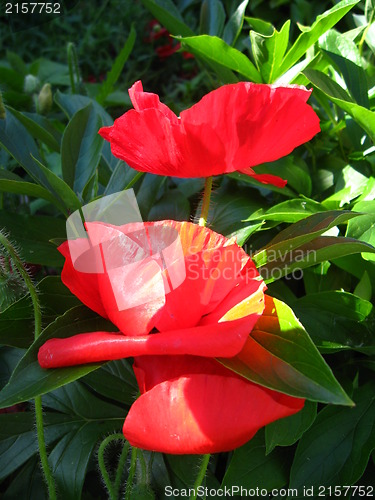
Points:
(363, 289)
(336, 449)
(91, 418)
(108, 85)
(288, 211)
(363, 116)
(18, 439)
(212, 18)
(171, 206)
(362, 228)
(28, 483)
(345, 55)
(81, 148)
(309, 36)
(169, 16)
(337, 320)
(39, 127)
(61, 188)
(149, 192)
(233, 27)
(121, 178)
(287, 431)
(17, 321)
(216, 50)
(114, 380)
(30, 380)
(11, 183)
(280, 355)
(319, 250)
(251, 468)
(32, 233)
(269, 51)
(299, 234)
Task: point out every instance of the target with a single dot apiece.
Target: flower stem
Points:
(37, 330)
(129, 482)
(206, 201)
(201, 475)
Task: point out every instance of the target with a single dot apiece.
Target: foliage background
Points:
(58, 82)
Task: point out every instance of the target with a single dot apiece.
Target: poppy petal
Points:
(203, 413)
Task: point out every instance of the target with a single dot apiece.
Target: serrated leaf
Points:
(336, 449)
(280, 355)
(217, 51)
(269, 51)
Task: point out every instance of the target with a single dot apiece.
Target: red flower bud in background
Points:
(233, 128)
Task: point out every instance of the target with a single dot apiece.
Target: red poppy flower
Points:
(233, 128)
(189, 402)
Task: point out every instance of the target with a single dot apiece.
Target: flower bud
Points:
(44, 101)
(31, 84)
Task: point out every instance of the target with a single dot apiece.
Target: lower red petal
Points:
(203, 413)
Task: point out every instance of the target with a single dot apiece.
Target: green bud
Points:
(31, 84)
(44, 101)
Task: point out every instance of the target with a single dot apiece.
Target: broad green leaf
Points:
(345, 55)
(233, 27)
(363, 116)
(117, 67)
(11, 183)
(322, 248)
(81, 148)
(93, 419)
(32, 233)
(299, 234)
(269, 51)
(70, 104)
(182, 471)
(288, 211)
(336, 449)
(280, 355)
(251, 468)
(287, 431)
(309, 36)
(149, 192)
(362, 228)
(122, 177)
(18, 439)
(228, 211)
(39, 127)
(30, 380)
(337, 320)
(363, 289)
(212, 18)
(216, 50)
(170, 206)
(65, 193)
(17, 321)
(168, 14)
(114, 380)
(349, 184)
(28, 482)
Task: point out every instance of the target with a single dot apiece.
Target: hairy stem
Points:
(201, 475)
(37, 330)
(206, 201)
